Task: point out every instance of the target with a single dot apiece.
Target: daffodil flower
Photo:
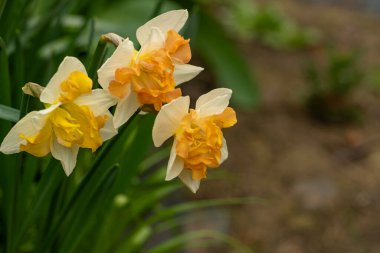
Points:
(149, 76)
(75, 116)
(198, 139)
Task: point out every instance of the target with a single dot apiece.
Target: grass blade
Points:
(84, 189)
(97, 58)
(189, 239)
(82, 218)
(2, 6)
(9, 113)
(5, 80)
(50, 180)
(189, 206)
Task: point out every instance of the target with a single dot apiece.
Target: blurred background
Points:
(310, 149)
(305, 155)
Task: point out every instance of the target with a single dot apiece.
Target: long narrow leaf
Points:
(5, 81)
(46, 188)
(223, 58)
(84, 216)
(189, 206)
(9, 113)
(2, 6)
(192, 239)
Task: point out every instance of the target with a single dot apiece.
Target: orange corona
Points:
(199, 140)
(151, 73)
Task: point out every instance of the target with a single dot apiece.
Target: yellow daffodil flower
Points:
(75, 116)
(198, 139)
(149, 76)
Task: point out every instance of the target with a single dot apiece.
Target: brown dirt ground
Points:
(320, 184)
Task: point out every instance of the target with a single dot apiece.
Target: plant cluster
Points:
(114, 193)
(331, 89)
(267, 24)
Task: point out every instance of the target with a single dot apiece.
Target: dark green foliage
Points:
(107, 204)
(331, 89)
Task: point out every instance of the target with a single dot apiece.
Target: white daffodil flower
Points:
(149, 77)
(75, 116)
(198, 139)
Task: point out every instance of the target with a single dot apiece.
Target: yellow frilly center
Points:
(76, 84)
(70, 124)
(199, 141)
(151, 75)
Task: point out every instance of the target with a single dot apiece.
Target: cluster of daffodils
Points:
(77, 116)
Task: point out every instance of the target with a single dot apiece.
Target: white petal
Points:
(168, 119)
(175, 164)
(187, 179)
(185, 72)
(213, 102)
(169, 20)
(30, 125)
(120, 58)
(125, 109)
(224, 151)
(156, 40)
(108, 131)
(205, 98)
(67, 156)
(52, 90)
(99, 101)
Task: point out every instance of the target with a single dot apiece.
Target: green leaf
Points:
(81, 203)
(12, 11)
(97, 58)
(2, 6)
(9, 113)
(46, 187)
(5, 81)
(82, 219)
(225, 60)
(144, 201)
(190, 206)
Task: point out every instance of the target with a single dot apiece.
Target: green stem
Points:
(91, 34)
(2, 6)
(98, 195)
(92, 175)
(49, 181)
(18, 71)
(97, 58)
(104, 150)
(11, 212)
(5, 97)
(24, 105)
(14, 174)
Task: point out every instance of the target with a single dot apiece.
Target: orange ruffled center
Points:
(199, 141)
(69, 123)
(151, 75)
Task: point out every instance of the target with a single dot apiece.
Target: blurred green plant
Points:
(113, 201)
(373, 79)
(331, 88)
(265, 23)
